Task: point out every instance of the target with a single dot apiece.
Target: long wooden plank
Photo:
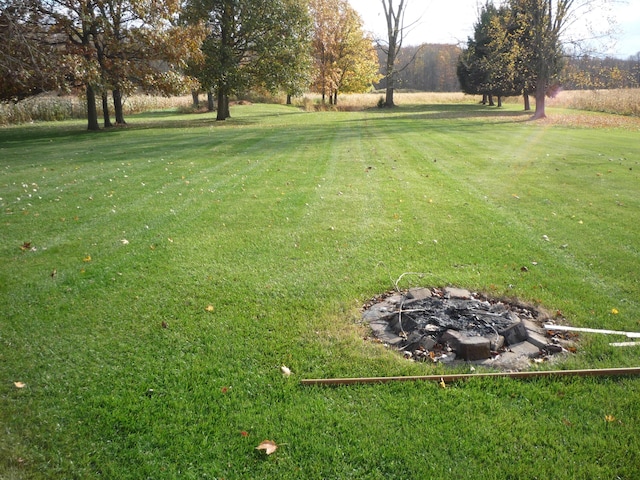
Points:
(609, 372)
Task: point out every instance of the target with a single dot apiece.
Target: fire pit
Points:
(453, 324)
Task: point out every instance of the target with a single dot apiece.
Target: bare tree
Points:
(395, 35)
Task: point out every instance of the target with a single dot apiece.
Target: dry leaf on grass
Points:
(210, 308)
(269, 446)
(441, 383)
(20, 384)
(285, 371)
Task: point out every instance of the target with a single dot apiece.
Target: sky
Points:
(451, 21)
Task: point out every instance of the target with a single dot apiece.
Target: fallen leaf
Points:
(244, 434)
(224, 390)
(610, 418)
(269, 446)
(87, 259)
(210, 308)
(441, 383)
(25, 246)
(285, 371)
(124, 241)
(19, 384)
(615, 311)
(164, 324)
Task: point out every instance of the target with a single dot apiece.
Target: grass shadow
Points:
(455, 112)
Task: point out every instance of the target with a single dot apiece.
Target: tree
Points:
(395, 36)
(28, 63)
(325, 14)
(75, 22)
(288, 66)
(245, 43)
(356, 61)
(116, 45)
(475, 62)
(138, 45)
(508, 60)
(547, 23)
(344, 57)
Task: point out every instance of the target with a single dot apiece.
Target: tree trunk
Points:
(223, 105)
(210, 104)
(395, 31)
(335, 97)
(227, 113)
(288, 99)
(391, 80)
(499, 101)
(491, 102)
(92, 111)
(484, 99)
(527, 102)
(390, 66)
(195, 99)
(117, 106)
(105, 110)
(220, 115)
(541, 94)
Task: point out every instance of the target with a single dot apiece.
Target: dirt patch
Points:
(453, 325)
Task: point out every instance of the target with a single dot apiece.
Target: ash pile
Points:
(445, 325)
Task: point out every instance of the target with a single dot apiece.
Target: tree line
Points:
(227, 47)
(433, 68)
(426, 67)
(223, 47)
(518, 48)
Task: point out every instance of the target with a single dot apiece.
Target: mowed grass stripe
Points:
(276, 221)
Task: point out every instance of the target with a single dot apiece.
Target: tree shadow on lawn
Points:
(463, 116)
(475, 112)
(165, 119)
(158, 119)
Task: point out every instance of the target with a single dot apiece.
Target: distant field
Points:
(154, 279)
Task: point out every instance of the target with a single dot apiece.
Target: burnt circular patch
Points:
(446, 325)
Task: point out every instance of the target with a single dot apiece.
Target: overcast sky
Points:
(451, 21)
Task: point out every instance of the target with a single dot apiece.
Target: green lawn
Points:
(176, 264)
